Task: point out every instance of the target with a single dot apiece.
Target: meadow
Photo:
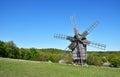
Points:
(24, 68)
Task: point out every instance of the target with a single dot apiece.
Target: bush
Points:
(94, 60)
(104, 59)
(68, 58)
(111, 57)
(114, 60)
(53, 57)
(41, 56)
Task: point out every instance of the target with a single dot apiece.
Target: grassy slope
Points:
(22, 68)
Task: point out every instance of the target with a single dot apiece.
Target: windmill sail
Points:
(60, 36)
(88, 30)
(97, 45)
(74, 25)
(75, 28)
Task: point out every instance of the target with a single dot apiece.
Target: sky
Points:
(33, 23)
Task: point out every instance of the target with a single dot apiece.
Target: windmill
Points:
(79, 43)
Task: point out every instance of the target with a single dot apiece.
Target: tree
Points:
(33, 53)
(2, 49)
(11, 49)
(22, 53)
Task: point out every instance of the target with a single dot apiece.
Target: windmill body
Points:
(79, 43)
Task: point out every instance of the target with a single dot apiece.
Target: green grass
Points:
(23, 68)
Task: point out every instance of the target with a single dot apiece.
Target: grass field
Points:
(23, 68)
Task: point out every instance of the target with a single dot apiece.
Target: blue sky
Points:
(32, 23)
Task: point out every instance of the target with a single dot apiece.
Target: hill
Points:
(25, 68)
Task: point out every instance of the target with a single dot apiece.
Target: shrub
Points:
(53, 57)
(68, 58)
(111, 57)
(114, 60)
(41, 56)
(94, 60)
(104, 59)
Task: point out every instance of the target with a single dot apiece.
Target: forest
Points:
(10, 50)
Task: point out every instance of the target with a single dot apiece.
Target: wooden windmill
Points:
(79, 43)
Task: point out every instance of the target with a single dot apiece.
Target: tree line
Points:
(10, 50)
